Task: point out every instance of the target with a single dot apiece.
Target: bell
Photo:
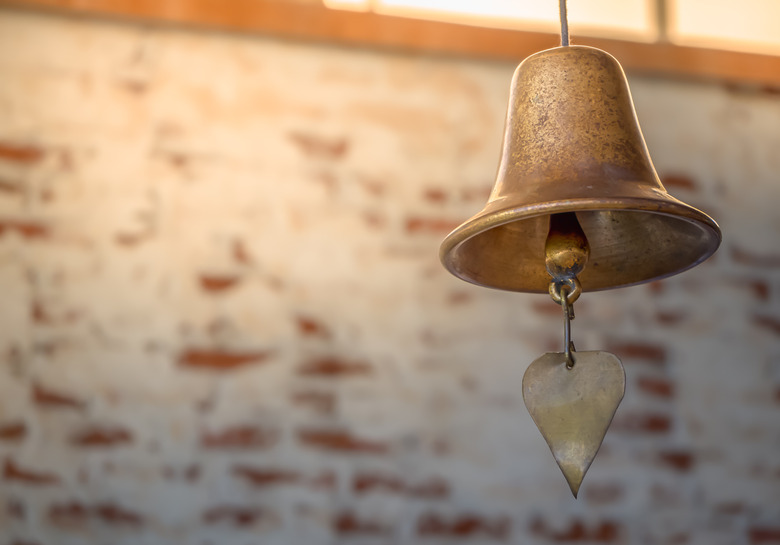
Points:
(572, 144)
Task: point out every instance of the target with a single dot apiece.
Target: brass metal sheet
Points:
(574, 407)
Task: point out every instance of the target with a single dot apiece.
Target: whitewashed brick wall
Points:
(223, 319)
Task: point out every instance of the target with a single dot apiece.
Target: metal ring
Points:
(574, 291)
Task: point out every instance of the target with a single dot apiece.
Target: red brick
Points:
(546, 307)
(77, 514)
(112, 514)
(10, 187)
(650, 353)
(44, 397)
(240, 253)
(26, 229)
(13, 431)
(15, 509)
(437, 196)
(603, 493)
(577, 532)
(240, 437)
(333, 367)
(266, 477)
(464, 526)
(130, 239)
(349, 524)
(309, 327)
(317, 146)
(459, 297)
(678, 460)
(340, 441)
(103, 437)
(642, 423)
(20, 153)
(669, 317)
(759, 261)
(762, 535)
(321, 402)
(767, 322)
(436, 226)
(237, 515)
(220, 360)
(678, 181)
(759, 288)
(217, 283)
(13, 472)
(657, 387)
(433, 488)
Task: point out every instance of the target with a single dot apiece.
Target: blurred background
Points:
(224, 320)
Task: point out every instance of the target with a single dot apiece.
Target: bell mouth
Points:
(632, 241)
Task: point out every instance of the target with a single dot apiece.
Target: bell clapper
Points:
(566, 254)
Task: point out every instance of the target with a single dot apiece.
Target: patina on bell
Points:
(572, 143)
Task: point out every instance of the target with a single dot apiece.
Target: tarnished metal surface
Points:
(574, 407)
(572, 143)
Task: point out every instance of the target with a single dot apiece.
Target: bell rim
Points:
(676, 209)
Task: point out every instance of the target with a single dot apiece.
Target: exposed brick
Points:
(678, 181)
(464, 526)
(13, 472)
(112, 514)
(459, 297)
(241, 516)
(45, 397)
(240, 253)
(20, 153)
(577, 531)
(320, 402)
(340, 441)
(650, 353)
(435, 226)
(264, 477)
(437, 196)
(759, 261)
(130, 240)
(368, 482)
(349, 524)
(240, 437)
(10, 187)
(77, 514)
(217, 283)
(13, 431)
(767, 322)
(762, 535)
(309, 327)
(657, 387)
(220, 360)
(26, 229)
(434, 488)
(15, 509)
(642, 423)
(103, 437)
(317, 146)
(603, 493)
(334, 367)
(678, 460)
(670, 318)
(24, 542)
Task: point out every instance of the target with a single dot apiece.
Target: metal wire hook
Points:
(568, 316)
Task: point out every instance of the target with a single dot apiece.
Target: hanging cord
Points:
(564, 23)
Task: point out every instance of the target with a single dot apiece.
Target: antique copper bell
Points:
(577, 206)
(572, 143)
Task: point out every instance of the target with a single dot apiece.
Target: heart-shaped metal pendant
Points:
(574, 407)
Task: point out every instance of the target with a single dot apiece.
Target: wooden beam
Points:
(310, 20)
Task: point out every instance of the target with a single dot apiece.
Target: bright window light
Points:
(747, 25)
(628, 19)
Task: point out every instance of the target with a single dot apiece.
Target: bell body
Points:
(572, 143)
